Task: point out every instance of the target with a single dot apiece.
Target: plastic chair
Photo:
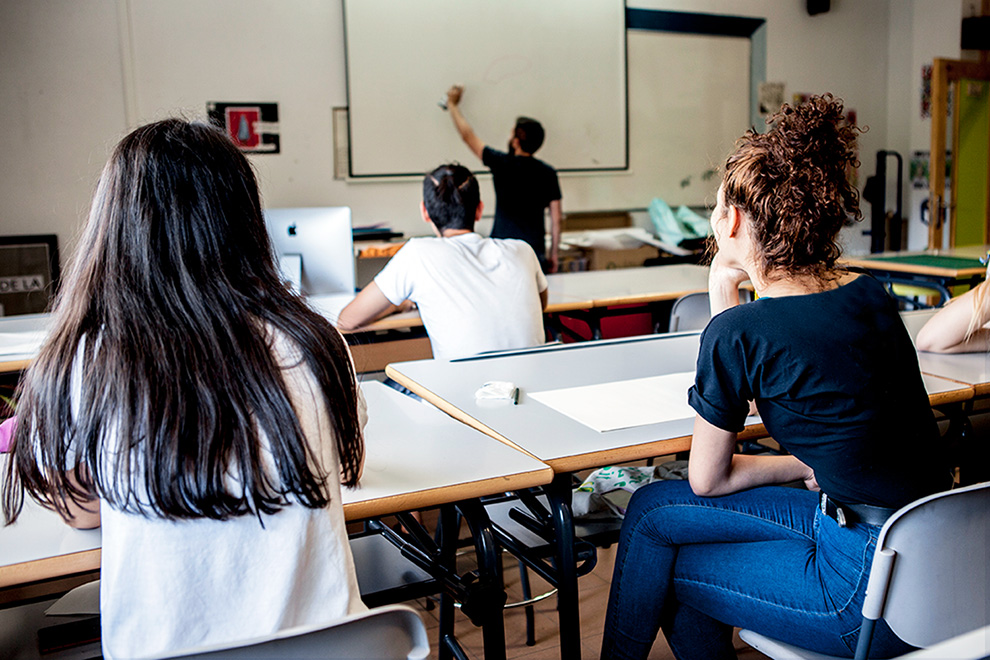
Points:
(690, 312)
(929, 580)
(393, 632)
(693, 311)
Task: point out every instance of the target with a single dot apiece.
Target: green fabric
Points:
(931, 260)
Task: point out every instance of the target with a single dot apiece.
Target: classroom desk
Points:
(592, 295)
(973, 369)
(448, 463)
(558, 440)
(565, 444)
(932, 269)
(20, 339)
(586, 295)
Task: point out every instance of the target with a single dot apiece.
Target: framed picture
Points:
(29, 273)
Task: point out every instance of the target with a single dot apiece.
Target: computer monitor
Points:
(314, 247)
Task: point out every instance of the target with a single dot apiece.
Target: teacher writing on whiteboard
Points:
(524, 186)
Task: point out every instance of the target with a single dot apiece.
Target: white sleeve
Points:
(395, 280)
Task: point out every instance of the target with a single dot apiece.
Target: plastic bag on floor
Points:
(606, 492)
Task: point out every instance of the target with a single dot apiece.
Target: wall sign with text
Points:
(252, 126)
(29, 273)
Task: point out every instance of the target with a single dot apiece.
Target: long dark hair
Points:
(793, 182)
(169, 314)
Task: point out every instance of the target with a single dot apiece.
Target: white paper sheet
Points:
(623, 404)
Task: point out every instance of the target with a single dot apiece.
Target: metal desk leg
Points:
(447, 532)
(487, 598)
(559, 496)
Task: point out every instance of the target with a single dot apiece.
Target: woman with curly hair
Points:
(194, 407)
(830, 366)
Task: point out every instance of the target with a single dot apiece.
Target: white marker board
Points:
(562, 62)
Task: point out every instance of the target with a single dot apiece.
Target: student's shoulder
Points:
(511, 245)
(491, 155)
(419, 244)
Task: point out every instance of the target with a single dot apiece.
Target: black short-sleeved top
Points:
(524, 187)
(837, 383)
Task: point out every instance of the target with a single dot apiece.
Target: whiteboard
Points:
(562, 62)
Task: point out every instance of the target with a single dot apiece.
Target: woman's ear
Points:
(477, 213)
(422, 212)
(735, 218)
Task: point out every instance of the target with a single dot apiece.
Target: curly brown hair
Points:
(792, 182)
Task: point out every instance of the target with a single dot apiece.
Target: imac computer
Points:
(314, 248)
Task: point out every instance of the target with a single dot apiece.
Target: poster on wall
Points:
(252, 126)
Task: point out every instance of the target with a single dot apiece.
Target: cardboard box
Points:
(607, 259)
(583, 220)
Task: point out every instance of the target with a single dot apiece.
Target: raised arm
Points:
(368, 306)
(723, 285)
(555, 222)
(463, 127)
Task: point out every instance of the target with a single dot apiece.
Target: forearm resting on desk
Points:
(946, 331)
(369, 306)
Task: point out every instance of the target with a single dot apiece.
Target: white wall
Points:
(74, 76)
(920, 31)
(61, 100)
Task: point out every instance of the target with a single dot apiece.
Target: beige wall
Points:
(75, 75)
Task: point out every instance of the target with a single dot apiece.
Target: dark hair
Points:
(451, 196)
(530, 134)
(793, 183)
(169, 313)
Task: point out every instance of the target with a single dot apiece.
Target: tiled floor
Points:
(593, 595)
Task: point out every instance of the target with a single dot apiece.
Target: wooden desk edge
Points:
(13, 366)
(964, 393)
(914, 269)
(645, 298)
(447, 494)
(50, 567)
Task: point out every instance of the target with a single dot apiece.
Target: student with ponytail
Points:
(474, 294)
(835, 377)
(194, 407)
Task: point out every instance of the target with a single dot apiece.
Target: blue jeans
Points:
(765, 559)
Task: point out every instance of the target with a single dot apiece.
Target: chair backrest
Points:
(938, 552)
(393, 632)
(693, 311)
(690, 312)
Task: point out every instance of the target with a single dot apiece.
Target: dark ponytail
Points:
(451, 196)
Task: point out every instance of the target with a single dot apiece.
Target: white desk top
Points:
(600, 288)
(563, 443)
(40, 545)
(416, 457)
(20, 339)
(558, 440)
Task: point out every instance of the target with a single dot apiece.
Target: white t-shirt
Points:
(167, 585)
(474, 294)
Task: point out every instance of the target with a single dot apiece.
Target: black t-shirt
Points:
(524, 187)
(837, 383)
